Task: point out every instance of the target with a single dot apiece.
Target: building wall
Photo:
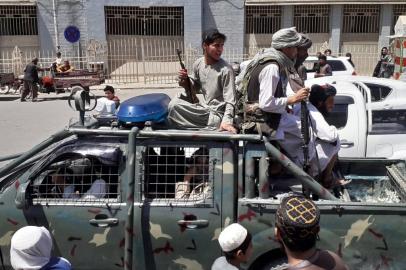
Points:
(228, 17)
(88, 16)
(199, 15)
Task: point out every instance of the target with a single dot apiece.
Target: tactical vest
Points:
(254, 118)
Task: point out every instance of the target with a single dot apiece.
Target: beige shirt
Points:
(216, 83)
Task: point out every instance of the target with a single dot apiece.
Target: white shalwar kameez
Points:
(288, 133)
(326, 136)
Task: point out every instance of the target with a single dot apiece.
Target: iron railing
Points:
(18, 20)
(262, 19)
(361, 18)
(150, 61)
(312, 19)
(152, 21)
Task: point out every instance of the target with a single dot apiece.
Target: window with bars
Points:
(262, 19)
(153, 21)
(176, 172)
(361, 18)
(75, 177)
(312, 19)
(18, 20)
(398, 10)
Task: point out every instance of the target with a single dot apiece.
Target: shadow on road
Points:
(8, 98)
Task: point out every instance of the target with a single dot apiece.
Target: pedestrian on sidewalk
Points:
(31, 80)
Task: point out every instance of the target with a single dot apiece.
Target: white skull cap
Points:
(232, 237)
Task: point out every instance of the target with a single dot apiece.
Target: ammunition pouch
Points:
(256, 121)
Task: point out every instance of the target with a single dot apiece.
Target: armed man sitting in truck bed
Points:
(214, 78)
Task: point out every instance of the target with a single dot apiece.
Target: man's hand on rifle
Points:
(183, 78)
(228, 127)
(300, 95)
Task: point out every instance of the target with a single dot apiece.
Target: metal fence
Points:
(149, 61)
(312, 19)
(262, 19)
(361, 18)
(18, 20)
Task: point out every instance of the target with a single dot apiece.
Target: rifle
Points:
(305, 130)
(189, 90)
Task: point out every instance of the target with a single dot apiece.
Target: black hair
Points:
(58, 54)
(348, 55)
(327, 50)
(109, 88)
(297, 245)
(243, 247)
(323, 57)
(319, 94)
(211, 35)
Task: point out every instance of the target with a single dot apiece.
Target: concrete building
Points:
(343, 25)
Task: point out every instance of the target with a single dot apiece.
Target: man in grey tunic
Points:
(213, 77)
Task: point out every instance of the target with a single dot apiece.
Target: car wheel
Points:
(4, 89)
(273, 263)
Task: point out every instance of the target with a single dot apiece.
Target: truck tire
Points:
(268, 260)
(273, 263)
(4, 89)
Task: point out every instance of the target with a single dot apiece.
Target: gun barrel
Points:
(180, 58)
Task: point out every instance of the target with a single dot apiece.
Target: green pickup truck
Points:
(167, 194)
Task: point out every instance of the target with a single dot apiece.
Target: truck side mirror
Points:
(22, 200)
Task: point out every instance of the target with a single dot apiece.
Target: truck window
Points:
(389, 122)
(339, 116)
(336, 65)
(74, 177)
(176, 173)
(378, 92)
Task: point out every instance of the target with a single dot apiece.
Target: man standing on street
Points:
(31, 80)
(325, 69)
(214, 78)
(302, 54)
(297, 227)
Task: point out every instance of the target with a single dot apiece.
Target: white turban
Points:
(286, 38)
(30, 248)
(232, 237)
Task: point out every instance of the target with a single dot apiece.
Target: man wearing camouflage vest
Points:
(271, 77)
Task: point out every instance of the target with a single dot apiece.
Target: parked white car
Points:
(364, 131)
(386, 94)
(339, 65)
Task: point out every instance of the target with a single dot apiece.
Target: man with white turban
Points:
(31, 250)
(271, 74)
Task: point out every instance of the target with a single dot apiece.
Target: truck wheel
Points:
(4, 89)
(273, 263)
(268, 260)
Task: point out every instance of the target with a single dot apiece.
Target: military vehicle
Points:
(143, 197)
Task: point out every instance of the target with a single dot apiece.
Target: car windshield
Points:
(336, 65)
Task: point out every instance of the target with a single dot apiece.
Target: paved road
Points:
(24, 124)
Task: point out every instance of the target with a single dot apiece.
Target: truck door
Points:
(181, 210)
(350, 121)
(76, 193)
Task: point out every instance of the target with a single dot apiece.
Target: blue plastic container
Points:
(149, 107)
